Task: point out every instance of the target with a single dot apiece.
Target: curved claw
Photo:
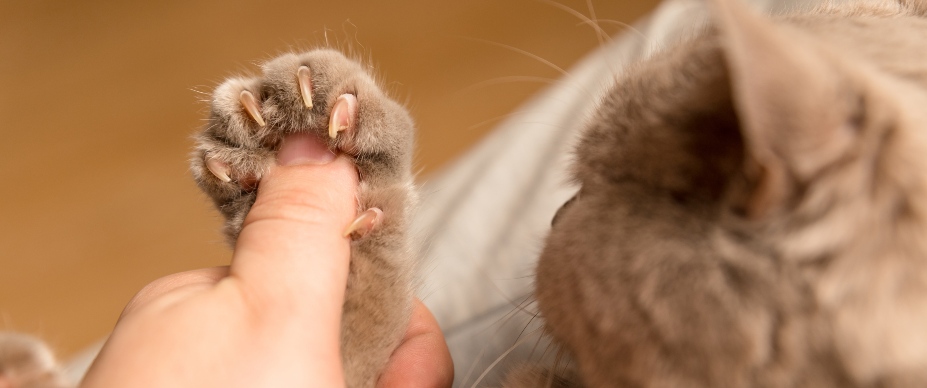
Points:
(304, 77)
(364, 223)
(219, 169)
(342, 115)
(251, 105)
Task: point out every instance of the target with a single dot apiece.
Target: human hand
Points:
(271, 318)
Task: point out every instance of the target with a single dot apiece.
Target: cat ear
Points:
(788, 101)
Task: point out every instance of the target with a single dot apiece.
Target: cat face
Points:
(748, 203)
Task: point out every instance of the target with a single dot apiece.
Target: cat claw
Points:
(304, 77)
(342, 114)
(251, 105)
(219, 169)
(364, 223)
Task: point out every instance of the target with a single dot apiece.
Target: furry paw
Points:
(320, 92)
(324, 94)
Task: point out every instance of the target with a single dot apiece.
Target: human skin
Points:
(271, 318)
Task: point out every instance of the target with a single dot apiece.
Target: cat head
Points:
(764, 123)
(794, 137)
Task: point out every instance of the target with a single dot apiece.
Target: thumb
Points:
(291, 249)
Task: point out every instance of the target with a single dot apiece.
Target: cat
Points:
(322, 92)
(752, 210)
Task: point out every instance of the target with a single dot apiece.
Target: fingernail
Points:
(303, 149)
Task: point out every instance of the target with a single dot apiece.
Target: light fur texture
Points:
(753, 210)
(26, 362)
(379, 295)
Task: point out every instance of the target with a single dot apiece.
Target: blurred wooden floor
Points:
(97, 105)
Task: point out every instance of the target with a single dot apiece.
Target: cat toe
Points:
(231, 170)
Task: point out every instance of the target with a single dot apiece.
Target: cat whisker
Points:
(500, 323)
(544, 353)
(197, 91)
(600, 33)
(493, 120)
(596, 25)
(506, 79)
(553, 369)
(347, 34)
(535, 348)
(517, 306)
(501, 117)
(627, 26)
(522, 332)
(523, 52)
(504, 354)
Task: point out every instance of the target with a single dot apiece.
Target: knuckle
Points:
(289, 205)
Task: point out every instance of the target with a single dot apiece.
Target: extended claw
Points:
(251, 105)
(304, 77)
(219, 169)
(342, 114)
(364, 223)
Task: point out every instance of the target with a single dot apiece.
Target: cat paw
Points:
(26, 361)
(324, 94)
(319, 92)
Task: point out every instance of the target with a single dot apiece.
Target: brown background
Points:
(98, 101)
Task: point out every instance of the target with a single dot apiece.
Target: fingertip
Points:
(320, 197)
(423, 358)
(291, 243)
(304, 148)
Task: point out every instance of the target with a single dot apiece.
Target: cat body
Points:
(752, 211)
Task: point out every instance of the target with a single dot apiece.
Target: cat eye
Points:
(562, 207)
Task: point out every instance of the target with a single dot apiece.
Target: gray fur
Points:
(378, 300)
(753, 210)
